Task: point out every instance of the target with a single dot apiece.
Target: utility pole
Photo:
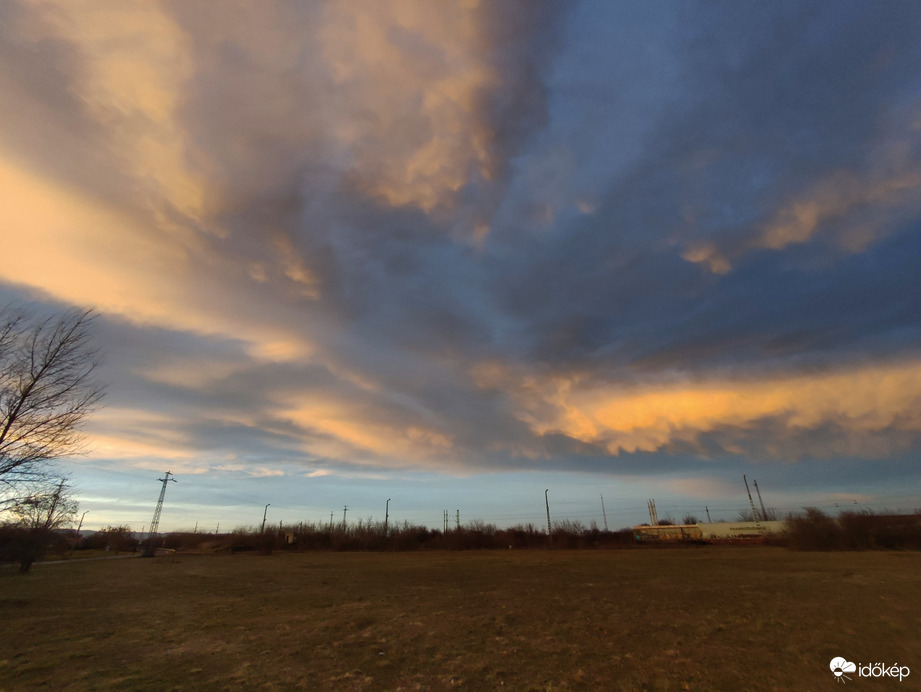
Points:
(547, 502)
(386, 516)
(707, 509)
(344, 511)
(155, 523)
(56, 497)
(653, 515)
(331, 520)
(603, 513)
(264, 513)
(457, 520)
(81, 523)
(445, 521)
(763, 512)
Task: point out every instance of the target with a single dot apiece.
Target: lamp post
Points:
(80, 526)
(264, 513)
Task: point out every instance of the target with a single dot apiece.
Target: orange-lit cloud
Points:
(835, 199)
(648, 418)
(136, 62)
(708, 254)
(85, 253)
(418, 70)
(345, 430)
(136, 436)
(852, 208)
(404, 111)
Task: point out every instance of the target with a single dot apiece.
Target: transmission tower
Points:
(764, 515)
(752, 503)
(155, 523)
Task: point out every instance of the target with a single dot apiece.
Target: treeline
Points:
(370, 536)
(815, 530)
(811, 530)
(26, 546)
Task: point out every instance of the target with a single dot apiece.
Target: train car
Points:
(718, 531)
(738, 530)
(667, 532)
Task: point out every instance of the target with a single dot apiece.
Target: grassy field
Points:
(670, 619)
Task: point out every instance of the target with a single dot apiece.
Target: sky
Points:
(457, 254)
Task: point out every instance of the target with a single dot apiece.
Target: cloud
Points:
(470, 236)
(222, 178)
(701, 488)
(871, 409)
(850, 209)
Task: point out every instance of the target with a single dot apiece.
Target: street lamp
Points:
(264, 513)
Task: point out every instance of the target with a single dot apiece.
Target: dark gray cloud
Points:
(786, 96)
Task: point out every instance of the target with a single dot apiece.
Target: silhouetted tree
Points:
(47, 388)
(45, 507)
(33, 517)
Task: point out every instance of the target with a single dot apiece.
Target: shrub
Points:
(24, 545)
(854, 531)
(814, 530)
(117, 538)
(868, 531)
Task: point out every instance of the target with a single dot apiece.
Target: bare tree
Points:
(47, 388)
(34, 515)
(44, 507)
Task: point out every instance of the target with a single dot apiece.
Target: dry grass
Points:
(708, 618)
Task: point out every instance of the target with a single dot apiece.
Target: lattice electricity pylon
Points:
(752, 504)
(155, 523)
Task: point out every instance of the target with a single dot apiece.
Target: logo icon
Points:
(839, 666)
